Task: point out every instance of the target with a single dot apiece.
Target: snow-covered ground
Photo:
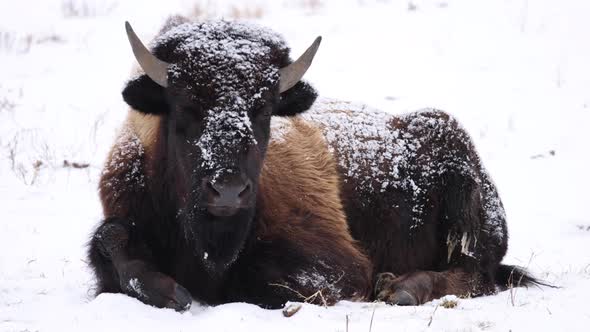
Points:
(515, 72)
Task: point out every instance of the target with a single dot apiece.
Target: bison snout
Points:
(225, 198)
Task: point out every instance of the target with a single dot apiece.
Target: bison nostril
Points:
(247, 189)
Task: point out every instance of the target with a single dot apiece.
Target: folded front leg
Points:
(124, 266)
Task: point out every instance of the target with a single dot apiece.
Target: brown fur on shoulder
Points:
(125, 168)
(299, 173)
(299, 199)
(299, 181)
(145, 126)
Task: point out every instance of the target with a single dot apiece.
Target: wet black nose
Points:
(225, 198)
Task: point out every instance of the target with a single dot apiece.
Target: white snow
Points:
(516, 74)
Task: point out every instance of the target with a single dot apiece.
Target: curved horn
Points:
(292, 73)
(155, 68)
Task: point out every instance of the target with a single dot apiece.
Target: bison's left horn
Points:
(293, 73)
(155, 68)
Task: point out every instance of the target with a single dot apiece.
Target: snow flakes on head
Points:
(227, 68)
(232, 60)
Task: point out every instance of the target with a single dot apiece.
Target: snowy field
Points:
(516, 73)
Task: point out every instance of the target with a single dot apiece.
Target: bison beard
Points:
(346, 202)
(217, 240)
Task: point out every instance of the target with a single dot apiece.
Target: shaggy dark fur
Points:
(292, 240)
(455, 242)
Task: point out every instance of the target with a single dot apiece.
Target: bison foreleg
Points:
(124, 266)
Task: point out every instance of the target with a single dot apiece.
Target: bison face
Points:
(219, 150)
(216, 85)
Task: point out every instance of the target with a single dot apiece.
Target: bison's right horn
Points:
(293, 73)
(155, 68)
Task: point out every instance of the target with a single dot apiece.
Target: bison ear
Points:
(296, 100)
(145, 95)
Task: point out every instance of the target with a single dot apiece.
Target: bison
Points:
(230, 182)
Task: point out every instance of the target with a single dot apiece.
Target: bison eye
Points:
(189, 122)
(265, 111)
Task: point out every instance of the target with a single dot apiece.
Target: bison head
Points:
(216, 85)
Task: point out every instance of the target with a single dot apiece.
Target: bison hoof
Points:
(182, 300)
(384, 281)
(153, 288)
